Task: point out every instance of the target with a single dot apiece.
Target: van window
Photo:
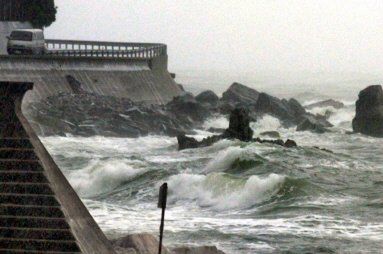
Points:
(21, 36)
(39, 36)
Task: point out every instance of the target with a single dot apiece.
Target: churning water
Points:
(242, 197)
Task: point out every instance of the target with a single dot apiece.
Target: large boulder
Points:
(239, 128)
(267, 104)
(326, 103)
(186, 106)
(312, 124)
(369, 112)
(140, 243)
(296, 107)
(238, 94)
(208, 97)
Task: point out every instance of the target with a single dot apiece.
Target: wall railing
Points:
(102, 49)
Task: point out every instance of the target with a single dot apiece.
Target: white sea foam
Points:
(224, 159)
(223, 192)
(266, 123)
(102, 176)
(216, 122)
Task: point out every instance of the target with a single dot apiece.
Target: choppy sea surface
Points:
(241, 197)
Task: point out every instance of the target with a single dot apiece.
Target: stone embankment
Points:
(86, 114)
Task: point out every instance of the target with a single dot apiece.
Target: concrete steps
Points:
(38, 245)
(31, 219)
(36, 234)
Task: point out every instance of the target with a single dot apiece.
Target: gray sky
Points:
(238, 35)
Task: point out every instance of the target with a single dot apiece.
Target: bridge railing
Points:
(72, 48)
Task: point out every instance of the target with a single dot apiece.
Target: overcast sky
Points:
(238, 35)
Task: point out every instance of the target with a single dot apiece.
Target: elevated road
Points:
(137, 71)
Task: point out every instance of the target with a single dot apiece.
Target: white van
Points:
(26, 42)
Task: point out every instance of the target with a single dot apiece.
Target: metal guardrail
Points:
(103, 49)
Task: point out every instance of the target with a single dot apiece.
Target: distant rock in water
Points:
(313, 125)
(239, 128)
(369, 112)
(240, 95)
(197, 250)
(326, 103)
(267, 104)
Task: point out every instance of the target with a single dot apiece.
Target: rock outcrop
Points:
(267, 104)
(326, 103)
(208, 97)
(313, 125)
(239, 128)
(240, 95)
(239, 125)
(369, 112)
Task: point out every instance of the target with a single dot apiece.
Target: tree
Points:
(41, 13)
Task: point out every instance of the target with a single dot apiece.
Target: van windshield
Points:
(21, 36)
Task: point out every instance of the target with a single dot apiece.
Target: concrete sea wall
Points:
(140, 80)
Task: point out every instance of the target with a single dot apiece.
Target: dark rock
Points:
(185, 106)
(239, 128)
(92, 114)
(239, 125)
(75, 85)
(185, 142)
(311, 124)
(369, 112)
(238, 94)
(267, 104)
(208, 97)
(271, 134)
(141, 243)
(296, 107)
(326, 103)
(197, 250)
(290, 143)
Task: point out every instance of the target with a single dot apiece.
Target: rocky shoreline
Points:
(87, 114)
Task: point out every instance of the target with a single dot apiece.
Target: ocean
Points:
(241, 197)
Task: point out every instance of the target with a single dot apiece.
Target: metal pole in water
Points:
(162, 204)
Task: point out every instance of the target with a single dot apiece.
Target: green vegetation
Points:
(41, 13)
